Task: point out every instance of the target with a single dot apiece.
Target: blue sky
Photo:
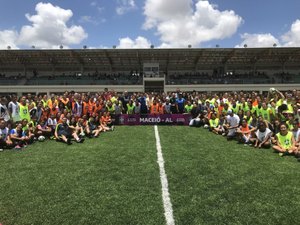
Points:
(140, 23)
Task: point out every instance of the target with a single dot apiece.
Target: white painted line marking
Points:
(164, 182)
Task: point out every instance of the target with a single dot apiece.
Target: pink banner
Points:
(151, 119)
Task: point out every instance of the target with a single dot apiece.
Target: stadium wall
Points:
(140, 88)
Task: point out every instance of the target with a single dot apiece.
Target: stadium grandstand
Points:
(161, 70)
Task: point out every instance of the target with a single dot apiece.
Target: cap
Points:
(229, 111)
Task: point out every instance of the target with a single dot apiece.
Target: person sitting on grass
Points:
(285, 141)
(5, 141)
(81, 126)
(44, 130)
(220, 128)
(214, 123)
(262, 136)
(28, 129)
(106, 119)
(105, 122)
(52, 122)
(244, 132)
(232, 123)
(296, 133)
(64, 133)
(18, 137)
(91, 128)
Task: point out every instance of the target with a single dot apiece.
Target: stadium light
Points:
(8, 47)
(217, 46)
(33, 47)
(245, 45)
(189, 46)
(151, 46)
(114, 47)
(61, 46)
(274, 45)
(84, 47)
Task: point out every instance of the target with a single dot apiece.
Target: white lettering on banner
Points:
(150, 120)
(169, 120)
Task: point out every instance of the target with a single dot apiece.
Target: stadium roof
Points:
(132, 59)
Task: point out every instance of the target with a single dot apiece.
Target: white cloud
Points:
(85, 19)
(8, 38)
(97, 6)
(292, 37)
(89, 19)
(258, 40)
(125, 6)
(180, 23)
(49, 28)
(289, 39)
(139, 42)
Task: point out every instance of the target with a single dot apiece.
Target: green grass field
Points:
(115, 179)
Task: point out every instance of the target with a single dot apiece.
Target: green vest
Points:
(235, 109)
(24, 112)
(265, 114)
(188, 108)
(214, 123)
(130, 109)
(111, 109)
(285, 141)
(245, 108)
(249, 120)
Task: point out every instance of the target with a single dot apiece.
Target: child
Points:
(285, 141)
(262, 136)
(244, 132)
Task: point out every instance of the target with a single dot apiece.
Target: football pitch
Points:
(116, 179)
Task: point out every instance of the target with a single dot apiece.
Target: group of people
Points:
(263, 120)
(61, 117)
(259, 121)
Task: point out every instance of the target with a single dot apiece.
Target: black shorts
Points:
(65, 133)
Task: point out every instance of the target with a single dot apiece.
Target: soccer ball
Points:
(41, 138)
(272, 90)
(206, 126)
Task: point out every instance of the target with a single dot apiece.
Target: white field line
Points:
(164, 182)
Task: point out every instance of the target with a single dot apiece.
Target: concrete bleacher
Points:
(215, 78)
(83, 80)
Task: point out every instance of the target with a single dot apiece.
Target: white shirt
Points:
(14, 108)
(262, 135)
(296, 134)
(4, 133)
(4, 112)
(233, 120)
(51, 122)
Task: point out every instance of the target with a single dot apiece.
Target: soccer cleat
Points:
(69, 141)
(281, 154)
(80, 140)
(18, 147)
(1, 149)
